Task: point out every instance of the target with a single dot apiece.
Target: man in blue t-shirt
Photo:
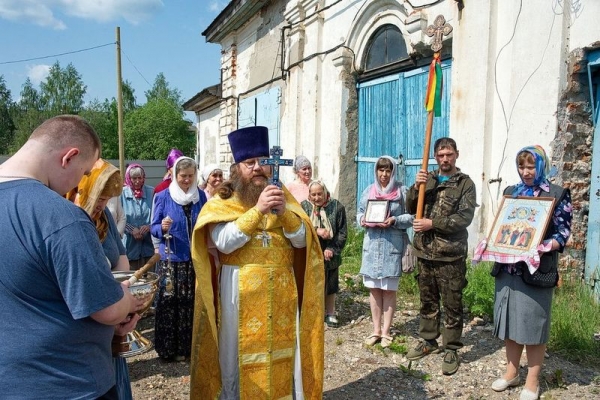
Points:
(59, 303)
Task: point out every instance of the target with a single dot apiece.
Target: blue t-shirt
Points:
(53, 276)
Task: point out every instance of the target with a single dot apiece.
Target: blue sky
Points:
(156, 36)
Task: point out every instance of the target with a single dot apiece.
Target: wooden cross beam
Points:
(276, 161)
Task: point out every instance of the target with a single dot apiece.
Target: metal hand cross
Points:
(276, 161)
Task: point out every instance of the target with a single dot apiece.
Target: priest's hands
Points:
(271, 200)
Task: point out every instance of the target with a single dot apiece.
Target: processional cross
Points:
(438, 30)
(433, 96)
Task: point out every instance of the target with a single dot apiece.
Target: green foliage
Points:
(478, 296)
(161, 90)
(63, 90)
(149, 131)
(154, 128)
(7, 126)
(575, 319)
(352, 253)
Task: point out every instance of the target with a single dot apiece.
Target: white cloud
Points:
(47, 13)
(35, 11)
(217, 6)
(38, 73)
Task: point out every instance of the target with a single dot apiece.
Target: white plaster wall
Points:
(582, 18)
(209, 151)
(506, 77)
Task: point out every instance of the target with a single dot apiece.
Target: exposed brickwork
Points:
(572, 154)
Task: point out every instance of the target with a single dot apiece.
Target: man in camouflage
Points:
(440, 244)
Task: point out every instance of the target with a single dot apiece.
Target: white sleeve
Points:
(298, 238)
(227, 237)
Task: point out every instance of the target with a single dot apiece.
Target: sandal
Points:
(331, 321)
(372, 339)
(386, 341)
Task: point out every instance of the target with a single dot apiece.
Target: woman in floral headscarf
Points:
(137, 204)
(517, 301)
(383, 247)
(92, 194)
(328, 217)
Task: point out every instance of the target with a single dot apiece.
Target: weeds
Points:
(575, 319)
(575, 315)
(478, 296)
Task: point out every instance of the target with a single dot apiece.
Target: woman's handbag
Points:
(545, 276)
(409, 260)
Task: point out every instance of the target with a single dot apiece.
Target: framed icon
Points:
(377, 211)
(519, 227)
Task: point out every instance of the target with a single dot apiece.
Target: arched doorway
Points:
(391, 114)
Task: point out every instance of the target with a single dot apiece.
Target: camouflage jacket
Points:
(450, 205)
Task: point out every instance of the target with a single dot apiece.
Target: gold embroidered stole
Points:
(266, 345)
(267, 314)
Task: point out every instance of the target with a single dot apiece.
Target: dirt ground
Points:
(355, 371)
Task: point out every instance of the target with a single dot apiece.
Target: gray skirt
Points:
(521, 311)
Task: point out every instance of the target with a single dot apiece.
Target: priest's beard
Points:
(247, 190)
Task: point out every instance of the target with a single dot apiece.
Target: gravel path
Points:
(355, 371)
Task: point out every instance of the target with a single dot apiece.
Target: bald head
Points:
(68, 131)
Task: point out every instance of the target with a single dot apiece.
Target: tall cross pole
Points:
(438, 30)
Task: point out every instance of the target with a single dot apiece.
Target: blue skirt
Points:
(122, 376)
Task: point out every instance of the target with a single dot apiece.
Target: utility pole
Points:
(120, 107)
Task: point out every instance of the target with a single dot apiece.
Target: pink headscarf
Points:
(391, 191)
(137, 193)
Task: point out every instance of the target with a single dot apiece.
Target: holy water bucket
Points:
(134, 342)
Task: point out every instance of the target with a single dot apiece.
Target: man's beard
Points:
(247, 190)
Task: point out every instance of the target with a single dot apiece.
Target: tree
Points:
(161, 90)
(63, 90)
(27, 114)
(7, 126)
(156, 127)
(103, 118)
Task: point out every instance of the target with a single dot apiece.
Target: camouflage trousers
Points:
(445, 281)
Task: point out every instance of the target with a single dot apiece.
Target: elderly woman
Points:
(299, 187)
(174, 215)
(383, 246)
(136, 200)
(522, 310)
(328, 217)
(92, 194)
(212, 177)
(173, 155)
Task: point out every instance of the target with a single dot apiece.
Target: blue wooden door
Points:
(391, 121)
(592, 252)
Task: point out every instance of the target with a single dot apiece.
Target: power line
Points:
(138, 71)
(57, 55)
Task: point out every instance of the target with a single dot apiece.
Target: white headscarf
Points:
(177, 194)
(207, 171)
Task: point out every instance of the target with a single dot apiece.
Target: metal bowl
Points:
(147, 285)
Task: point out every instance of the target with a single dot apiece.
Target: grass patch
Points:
(575, 319)
(352, 253)
(478, 296)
